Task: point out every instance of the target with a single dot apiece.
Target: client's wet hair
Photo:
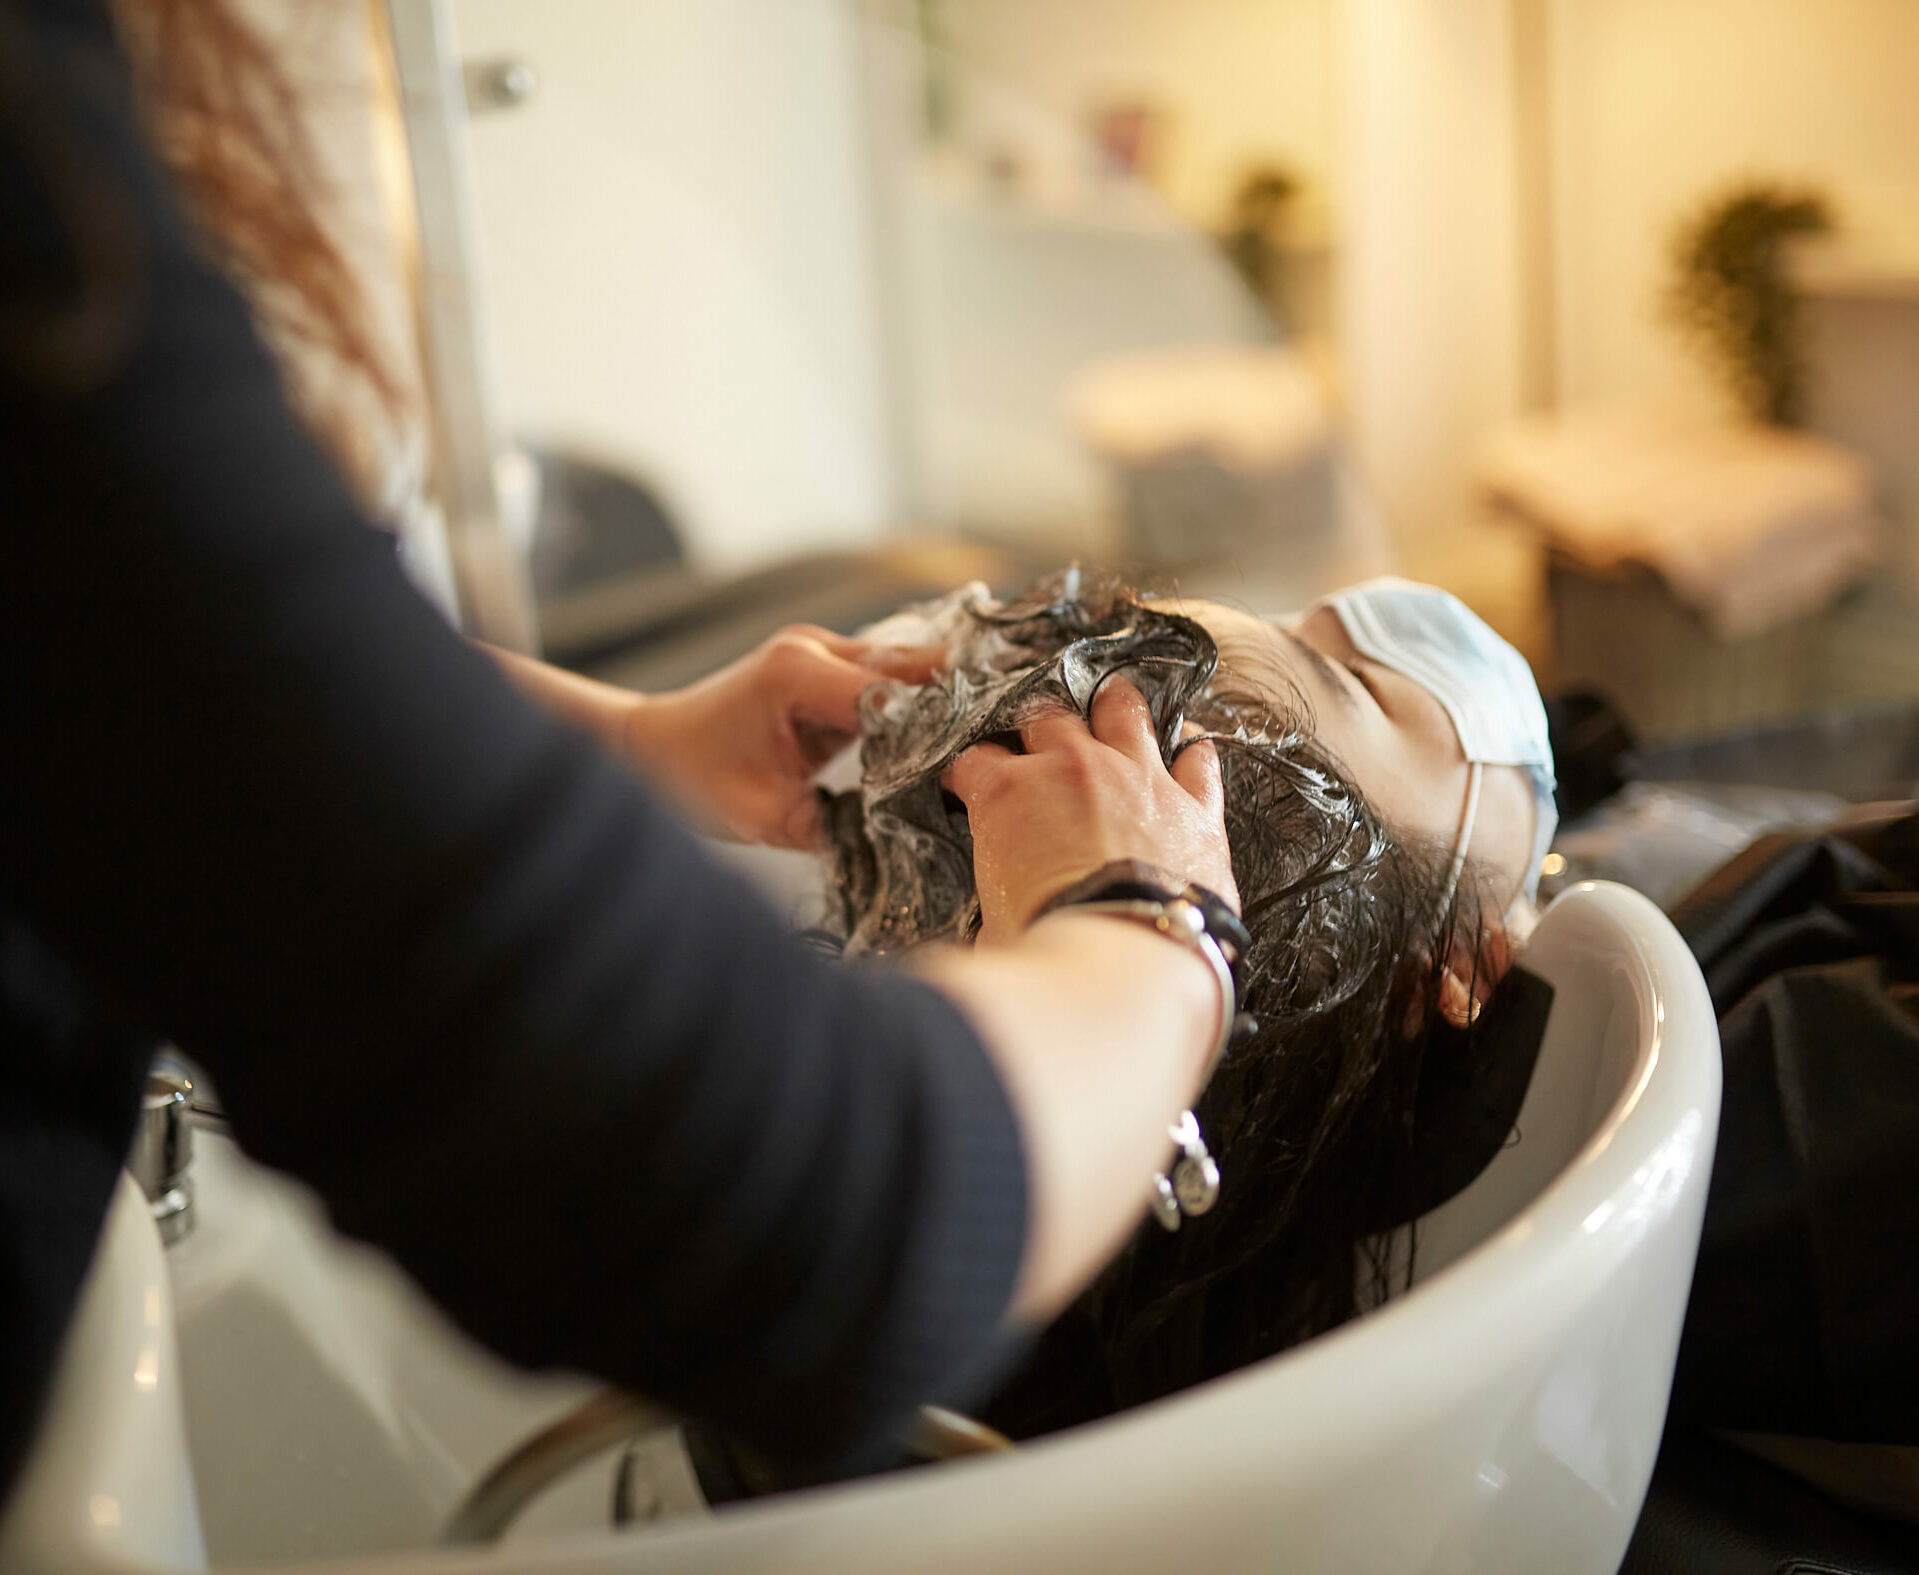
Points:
(1311, 1115)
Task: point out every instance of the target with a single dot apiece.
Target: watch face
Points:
(1196, 1184)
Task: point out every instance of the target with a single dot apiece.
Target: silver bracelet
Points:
(1193, 1187)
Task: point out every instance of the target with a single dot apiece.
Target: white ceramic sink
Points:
(265, 1392)
(1502, 1416)
(330, 1409)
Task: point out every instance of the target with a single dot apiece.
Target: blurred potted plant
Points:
(939, 92)
(1248, 241)
(1733, 294)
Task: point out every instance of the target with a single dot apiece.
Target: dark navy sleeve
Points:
(445, 960)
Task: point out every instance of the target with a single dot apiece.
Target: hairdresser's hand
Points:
(1081, 797)
(739, 749)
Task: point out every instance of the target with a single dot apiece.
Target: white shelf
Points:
(1121, 209)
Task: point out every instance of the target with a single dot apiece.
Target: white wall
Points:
(1402, 114)
(1007, 287)
(679, 244)
(679, 259)
(1659, 104)
(1429, 293)
(1245, 81)
(1650, 108)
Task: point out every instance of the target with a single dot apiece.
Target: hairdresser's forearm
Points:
(600, 709)
(1101, 1031)
(650, 733)
(737, 750)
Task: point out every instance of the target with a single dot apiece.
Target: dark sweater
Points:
(257, 798)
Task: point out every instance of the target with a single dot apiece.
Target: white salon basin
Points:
(1502, 1416)
(330, 1410)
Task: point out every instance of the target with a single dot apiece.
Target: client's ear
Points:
(1465, 984)
(1470, 976)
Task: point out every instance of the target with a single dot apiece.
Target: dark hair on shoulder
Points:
(224, 117)
(227, 118)
(1311, 1117)
(73, 300)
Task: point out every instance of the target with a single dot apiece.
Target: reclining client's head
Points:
(1388, 794)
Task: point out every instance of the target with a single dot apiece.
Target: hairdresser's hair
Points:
(226, 120)
(1312, 1115)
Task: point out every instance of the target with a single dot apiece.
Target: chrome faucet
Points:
(163, 1151)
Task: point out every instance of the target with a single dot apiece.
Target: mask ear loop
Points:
(1468, 816)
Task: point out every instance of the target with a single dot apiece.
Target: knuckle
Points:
(973, 774)
(1074, 771)
(1083, 766)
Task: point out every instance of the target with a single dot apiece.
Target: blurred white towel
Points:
(1250, 407)
(1752, 526)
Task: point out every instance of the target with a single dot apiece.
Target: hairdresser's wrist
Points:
(1183, 912)
(644, 736)
(1099, 1032)
(1137, 879)
(1173, 987)
(603, 710)
(673, 746)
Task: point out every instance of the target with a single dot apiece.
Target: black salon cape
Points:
(444, 960)
(1804, 1315)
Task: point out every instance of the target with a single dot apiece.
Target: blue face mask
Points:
(1484, 685)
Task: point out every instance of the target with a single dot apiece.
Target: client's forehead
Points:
(1390, 734)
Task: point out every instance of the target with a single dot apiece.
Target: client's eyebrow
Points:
(1332, 677)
